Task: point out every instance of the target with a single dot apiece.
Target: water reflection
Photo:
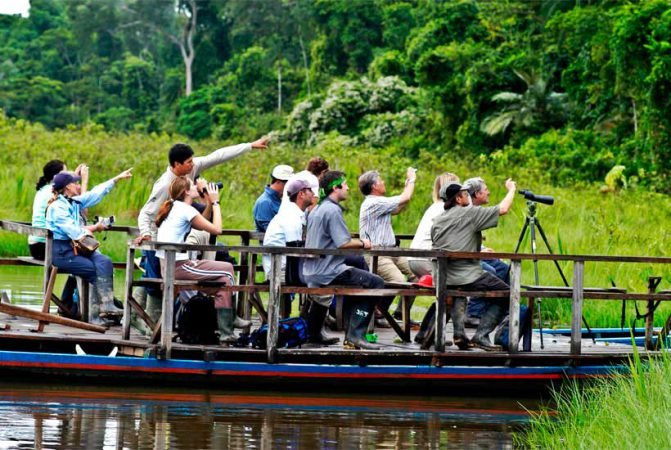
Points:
(74, 418)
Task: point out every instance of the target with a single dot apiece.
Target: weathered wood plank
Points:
(576, 311)
(128, 294)
(514, 311)
(49, 318)
(274, 306)
(440, 270)
(168, 303)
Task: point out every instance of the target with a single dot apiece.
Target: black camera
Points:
(218, 184)
(106, 221)
(545, 199)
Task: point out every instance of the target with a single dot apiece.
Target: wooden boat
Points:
(139, 359)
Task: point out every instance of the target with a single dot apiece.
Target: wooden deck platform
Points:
(24, 353)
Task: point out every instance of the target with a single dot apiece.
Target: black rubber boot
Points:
(429, 318)
(316, 316)
(458, 314)
(489, 320)
(360, 314)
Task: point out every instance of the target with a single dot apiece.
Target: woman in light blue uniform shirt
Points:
(63, 220)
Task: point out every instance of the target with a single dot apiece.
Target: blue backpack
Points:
(293, 332)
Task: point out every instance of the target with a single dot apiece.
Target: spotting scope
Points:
(545, 199)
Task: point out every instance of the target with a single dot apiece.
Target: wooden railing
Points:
(578, 293)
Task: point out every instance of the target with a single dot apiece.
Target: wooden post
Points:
(514, 319)
(653, 282)
(576, 318)
(46, 302)
(246, 277)
(128, 292)
(168, 303)
(440, 271)
(274, 305)
(48, 259)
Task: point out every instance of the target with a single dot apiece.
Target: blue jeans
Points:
(90, 268)
(476, 306)
(152, 269)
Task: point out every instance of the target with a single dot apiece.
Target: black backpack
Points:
(196, 320)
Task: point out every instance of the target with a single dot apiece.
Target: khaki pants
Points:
(392, 268)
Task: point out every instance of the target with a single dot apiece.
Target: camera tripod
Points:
(532, 223)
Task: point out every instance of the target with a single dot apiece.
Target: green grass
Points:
(582, 221)
(619, 412)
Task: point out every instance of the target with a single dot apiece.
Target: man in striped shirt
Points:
(375, 223)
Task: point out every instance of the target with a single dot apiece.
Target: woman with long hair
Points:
(175, 219)
(37, 244)
(63, 219)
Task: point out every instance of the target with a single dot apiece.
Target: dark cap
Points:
(296, 185)
(62, 179)
(451, 190)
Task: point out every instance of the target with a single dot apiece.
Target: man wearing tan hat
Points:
(268, 203)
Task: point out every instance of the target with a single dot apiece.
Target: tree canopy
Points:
(574, 87)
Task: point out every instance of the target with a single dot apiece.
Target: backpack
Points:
(292, 332)
(196, 320)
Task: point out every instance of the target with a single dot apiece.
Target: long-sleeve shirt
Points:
(39, 218)
(159, 193)
(63, 213)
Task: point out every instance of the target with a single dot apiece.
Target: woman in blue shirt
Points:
(63, 220)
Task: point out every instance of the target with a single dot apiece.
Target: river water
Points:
(58, 416)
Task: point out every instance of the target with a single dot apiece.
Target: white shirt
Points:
(176, 227)
(422, 239)
(286, 226)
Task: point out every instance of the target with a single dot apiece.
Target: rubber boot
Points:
(105, 290)
(94, 309)
(154, 306)
(239, 322)
(316, 316)
(429, 318)
(489, 320)
(140, 297)
(458, 314)
(225, 321)
(360, 315)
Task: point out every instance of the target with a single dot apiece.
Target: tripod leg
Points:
(547, 245)
(561, 273)
(532, 225)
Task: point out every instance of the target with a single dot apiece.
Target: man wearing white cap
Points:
(268, 203)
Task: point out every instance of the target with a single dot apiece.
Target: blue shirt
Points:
(265, 208)
(63, 213)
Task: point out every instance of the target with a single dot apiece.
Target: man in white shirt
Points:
(286, 227)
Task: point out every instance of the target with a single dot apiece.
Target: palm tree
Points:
(536, 107)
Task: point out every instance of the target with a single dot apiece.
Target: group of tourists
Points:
(294, 209)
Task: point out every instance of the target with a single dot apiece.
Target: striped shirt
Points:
(375, 219)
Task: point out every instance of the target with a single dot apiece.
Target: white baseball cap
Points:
(282, 172)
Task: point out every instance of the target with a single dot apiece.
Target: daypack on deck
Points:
(196, 320)
(293, 332)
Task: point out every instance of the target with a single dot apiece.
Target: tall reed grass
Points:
(582, 221)
(612, 413)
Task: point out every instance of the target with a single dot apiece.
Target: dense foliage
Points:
(573, 88)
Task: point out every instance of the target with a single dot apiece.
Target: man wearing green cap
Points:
(327, 229)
